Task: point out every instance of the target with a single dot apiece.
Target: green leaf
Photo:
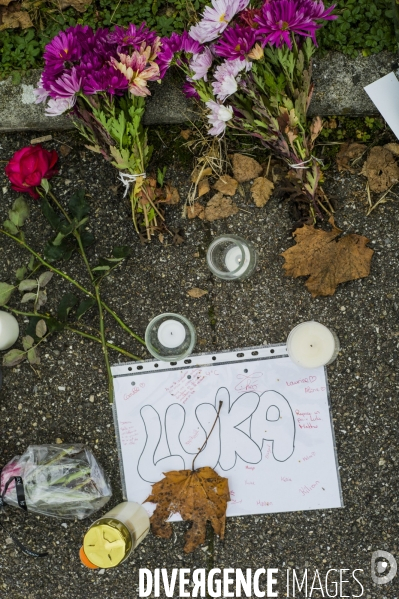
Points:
(20, 272)
(78, 206)
(19, 212)
(45, 278)
(33, 356)
(87, 238)
(27, 342)
(31, 264)
(10, 227)
(51, 215)
(27, 285)
(58, 240)
(52, 253)
(66, 304)
(46, 185)
(41, 328)
(14, 357)
(100, 268)
(41, 299)
(5, 293)
(84, 306)
(122, 251)
(28, 297)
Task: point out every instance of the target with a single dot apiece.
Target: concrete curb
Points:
(339, 83)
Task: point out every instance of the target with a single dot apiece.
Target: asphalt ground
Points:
(56, 400)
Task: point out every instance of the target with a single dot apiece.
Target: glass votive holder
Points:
(170, 337)
(311, 345)
(231, 258)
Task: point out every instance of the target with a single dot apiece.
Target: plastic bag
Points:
(64, 481)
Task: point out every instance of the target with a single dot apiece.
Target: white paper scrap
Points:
(384, 94)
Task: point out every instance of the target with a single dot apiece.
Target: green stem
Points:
(75, 283)
(73, 330)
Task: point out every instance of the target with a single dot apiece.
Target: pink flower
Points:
(138, 70)
(200, 65)
(225, 75)
(66, 86)
(219, 116)
(215, 20)
(40, 93)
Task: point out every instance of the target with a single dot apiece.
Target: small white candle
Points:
(233, 258)
(9, 330)
(171, 333)
(311, 344)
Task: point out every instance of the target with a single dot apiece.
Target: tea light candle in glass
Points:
(170, 337)
(9, 330)
(231, 258)
(311, 345)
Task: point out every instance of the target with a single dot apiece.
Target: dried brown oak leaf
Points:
(220, 207)
(226, 185)
(196, 292)
(203, 187)
(11, 17)
(196, 209)
(347, 154)
(261, 191)
(197, 495)
(394, 148)
(327, 260)
(380, 169)
(245, 168)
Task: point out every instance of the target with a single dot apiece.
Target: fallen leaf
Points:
(200, 173)
(347, 154)
(172, 195)
(161, 237)
(315, 128)
(261, 191)
(196, 292)
(226, 185)
(79, 5)
(196, 209)
(186, 134)
(328, 261)
(203, 187)
(65, 150)
(394, 148)
(380, 169)
(13, 18)
(197, 495)
(220, 207)
(245, 168)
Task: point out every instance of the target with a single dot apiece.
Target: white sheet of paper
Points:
(274, 439)
(384, 93)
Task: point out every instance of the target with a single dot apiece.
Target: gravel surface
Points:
(65, 397)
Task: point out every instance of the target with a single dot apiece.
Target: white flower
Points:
(40, 93)
(200, 64)
(218, 117)
(225, 75)
(215, 20)
(56, 107)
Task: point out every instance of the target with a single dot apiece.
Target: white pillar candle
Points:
(233, 258)
(9, 330)
(311, 344)
(171, 333)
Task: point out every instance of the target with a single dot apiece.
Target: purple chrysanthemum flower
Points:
(63, 50)
(189, 44)
(164, 59)
(132, 36)
(66, 86)
(108, 79)
(200, 65)
(216, 18)
(236, 42)
(280, 18)
(173, 45)
(189, 91)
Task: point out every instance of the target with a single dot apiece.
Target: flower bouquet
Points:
(252, 69)
(64, 481)
(100, 78)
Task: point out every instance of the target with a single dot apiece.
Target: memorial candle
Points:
(231, 257)
(170, 337)
(9, 330)
(311, 345)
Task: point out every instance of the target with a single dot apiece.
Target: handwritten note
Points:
(273, 438)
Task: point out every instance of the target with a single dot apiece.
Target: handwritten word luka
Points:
(269, 415)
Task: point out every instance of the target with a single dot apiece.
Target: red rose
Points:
(29, 166)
